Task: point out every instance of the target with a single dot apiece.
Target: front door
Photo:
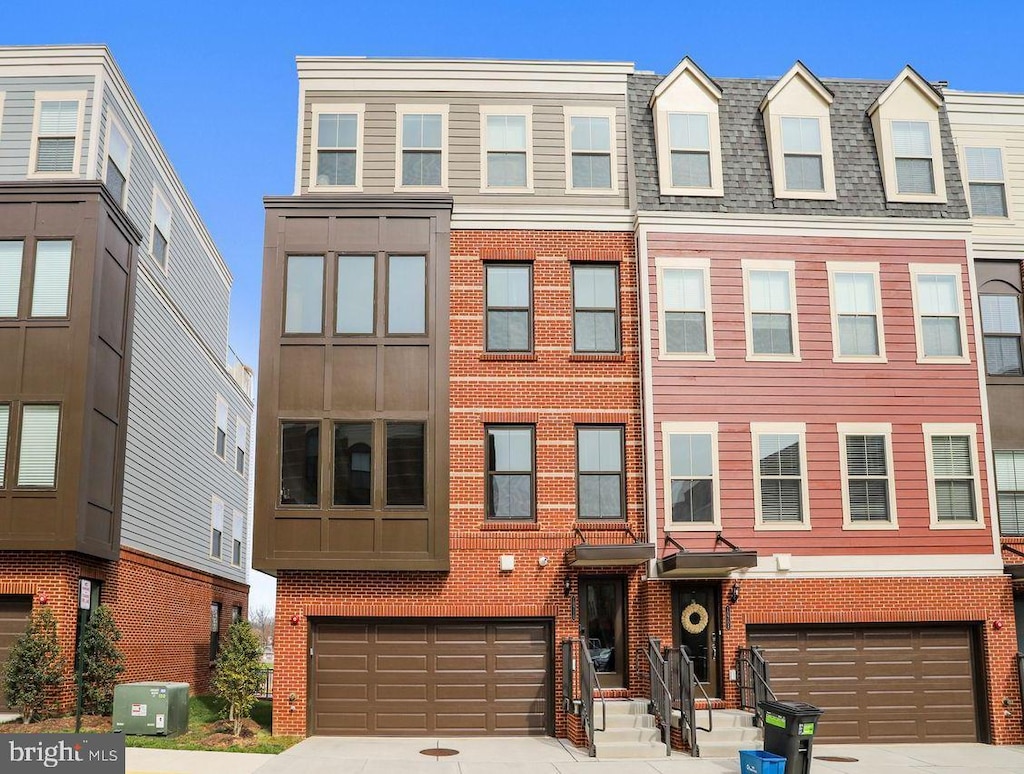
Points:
(695, 615)
(603, 627)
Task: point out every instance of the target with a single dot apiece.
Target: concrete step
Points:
(639, 734)
(622, 706)
(612, 721)
(736, 734)
(726, 749)
(728, 718)
(634, 750)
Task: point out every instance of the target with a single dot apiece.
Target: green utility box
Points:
(151, 709)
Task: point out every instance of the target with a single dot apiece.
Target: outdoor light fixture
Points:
(295, 620)
(567, 585)
(542, 561)
(734, 593)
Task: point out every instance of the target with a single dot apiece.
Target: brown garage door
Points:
(451, 678)
(877, 684)
(14, 613)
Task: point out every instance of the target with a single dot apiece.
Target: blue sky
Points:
(217, 80)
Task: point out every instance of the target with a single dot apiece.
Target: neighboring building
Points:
(813, 393)
(123, 430)
(989, 133)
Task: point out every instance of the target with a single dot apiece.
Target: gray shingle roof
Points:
(745, 167)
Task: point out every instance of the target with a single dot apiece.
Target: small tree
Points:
(237, 672)
(262, 620)
(34, 668)
(102, 662)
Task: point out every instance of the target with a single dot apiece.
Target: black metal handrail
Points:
(588, 685)
(660, 695)
(753, 680)
(684, 677)
(266, 689)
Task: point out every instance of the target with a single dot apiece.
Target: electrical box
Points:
(151, 709)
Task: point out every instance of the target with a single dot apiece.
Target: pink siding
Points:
(818, 392)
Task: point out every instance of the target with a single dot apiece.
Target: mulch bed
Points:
(90, 723)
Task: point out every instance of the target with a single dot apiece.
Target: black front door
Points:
(696, 630)
(603, 627)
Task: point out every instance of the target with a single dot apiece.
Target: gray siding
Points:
(464, 178)
(16, 122)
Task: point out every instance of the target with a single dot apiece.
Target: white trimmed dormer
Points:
(687, 135)
(905, 119)
(799, 133)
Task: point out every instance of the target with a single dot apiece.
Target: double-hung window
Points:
(5, 424)
(57, 138)
(780, 476)
(689, 141)
(40, 434)
(241, 445)
(51, 282)
(336, 133)
(161, 236)
(912, 147)
(938, 302)
(952, 459)
(869, 499)
(218, 509)
(422, 152)
(237, 530)
(986, 182)
(118, 157)
(771, 310)
(684, 308)
(509, 290)
(1010, 492)
(221, 442)
(600, 472)
(506, 148)
(300, 463)
(591, 150)
(690, 452)
(214, 630)
(595, 301)
(510, 472)
(857, 331)
(1000, 325)
(801, 152)
(304, 294)
(11, 253)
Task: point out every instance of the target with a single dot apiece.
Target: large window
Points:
(300, 463)
(509, 292)
(40, 430)
(356, 293)
(506, 133)
(595, 297)
(1010, 492)
(912, 146)
(304, 294)
(11, 253)
(407, 294)
(684, 309)
(353, 463)
(52, 279)
(336, 143)
(986, 182)
(690, 454)
(56, 141)
(218, 509)
(689, 140)
(422, 136)
(952, 467)
(938, 301)
(1000, 323)
(771, 316)
(118, 157)
(510, 471)
(600, 472)
(856, 312)
(406, 464)
(590, 151)
(780, 475)
(801, 151)
(868, 487)
(5, 423)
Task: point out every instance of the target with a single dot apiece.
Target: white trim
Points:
(650, 485)
(883, 429)
(756, 264)
(596, 111)
(930, 429)
(669, 429)
(3, 94)
(777, 156)
(908, 73)
(214, 501)
(881, 566)
(165, 266)
(57, 96)
(486, 111)
(762, 224)
(948, 269)
(798, 429)
(221, 403)
(416, 109)
(690, 67)
(965, 144)
(663, 141)
(300, 136)
(855, 267)
(558, 218)
(698, 264)
(799, 69)
(316, 110)
(93, 164)
(113, 121)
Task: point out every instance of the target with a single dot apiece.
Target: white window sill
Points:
(916, 199)
(813, 195)
(673, 191)
(957, 525)
(73, 174)
(943, 360)
(783, 526)
(705, 357)
(870, 526)
(421, 189)
(702, 526)
(774, 358)
(506, 190)
(593, 191)
(335, 189)
(861, 360)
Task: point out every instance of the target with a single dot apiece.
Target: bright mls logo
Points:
(85, 754)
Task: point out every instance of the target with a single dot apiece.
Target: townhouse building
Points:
(124, 441)
(813, 387)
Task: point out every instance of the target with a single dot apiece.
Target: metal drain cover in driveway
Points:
(439, 752)
(835, 759)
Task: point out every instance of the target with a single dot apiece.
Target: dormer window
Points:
(912, 146)
(690, 146)
(801, 148)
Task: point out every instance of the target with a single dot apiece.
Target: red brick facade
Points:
(162, 609)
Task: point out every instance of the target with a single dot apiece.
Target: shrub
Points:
(102, 662)
(238, 672)
(34, 668)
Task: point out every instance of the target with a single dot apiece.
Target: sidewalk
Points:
(142, 760)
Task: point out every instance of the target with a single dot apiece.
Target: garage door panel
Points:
(463, 663)
(402, 634)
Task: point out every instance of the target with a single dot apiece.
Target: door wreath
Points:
(694, 618)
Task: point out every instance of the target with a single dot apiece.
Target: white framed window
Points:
(781, 499)
(939, 313)
(11, 259)
(5, 424)
(217, 509)
(1009, 467)
(220, 446)
(237, 531)
(954, 486)
(867, 475)
(689, 145)
(803, 164)
(421, 160)
(57, 129)
(160, 238)
(914, 157)
(337, 137)
(591, 165)
(685, 330)
(986, 182)
(40, 434)
(119, 155)
(770, 317)
(506, 150)
(692, 484)
(1001, 333)
(855, 295)
(51, 281)
(241, 446)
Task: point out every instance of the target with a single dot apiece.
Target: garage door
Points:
(877, 684)
(14, 613)
(453, 678)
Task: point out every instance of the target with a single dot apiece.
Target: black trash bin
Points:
(789, 731)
